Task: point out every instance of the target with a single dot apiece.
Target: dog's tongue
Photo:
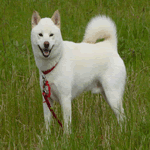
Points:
(46, 53)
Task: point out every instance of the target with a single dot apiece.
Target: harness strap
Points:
(48, 71)
(47, 95)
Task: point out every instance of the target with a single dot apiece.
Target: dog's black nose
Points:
(46, 44)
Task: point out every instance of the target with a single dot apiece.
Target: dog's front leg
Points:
(47, 114)
(66, 107)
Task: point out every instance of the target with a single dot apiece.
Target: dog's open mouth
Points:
(46, 52)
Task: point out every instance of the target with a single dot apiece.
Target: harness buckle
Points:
(45, 86)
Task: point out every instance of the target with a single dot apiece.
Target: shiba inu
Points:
(72, 68)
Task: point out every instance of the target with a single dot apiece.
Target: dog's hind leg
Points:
(112, 91)
(114, 99)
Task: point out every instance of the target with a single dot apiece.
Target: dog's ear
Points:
(35, 19)
(56, 18)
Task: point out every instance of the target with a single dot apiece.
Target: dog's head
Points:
(45, 34)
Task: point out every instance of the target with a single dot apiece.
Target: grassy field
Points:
(94, 126)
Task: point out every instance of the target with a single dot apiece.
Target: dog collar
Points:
(48, 71)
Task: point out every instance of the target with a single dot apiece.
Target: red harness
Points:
(47, 93)
(48, 71)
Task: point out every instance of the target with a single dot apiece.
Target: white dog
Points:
(77, 67)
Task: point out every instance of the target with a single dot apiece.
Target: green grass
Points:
(94, 126)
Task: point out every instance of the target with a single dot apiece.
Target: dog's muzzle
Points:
(45, 51)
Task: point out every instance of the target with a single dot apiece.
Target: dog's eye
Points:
(51, 34)
(40, 34)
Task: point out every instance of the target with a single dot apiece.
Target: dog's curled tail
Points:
(101, 27)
